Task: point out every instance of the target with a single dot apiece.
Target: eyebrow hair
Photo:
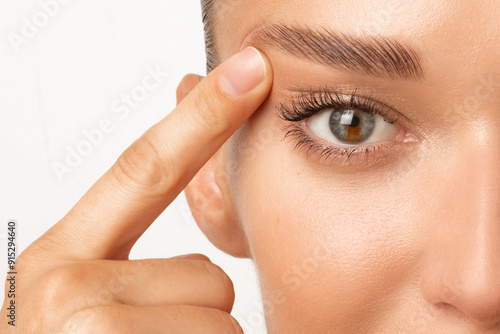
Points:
(375, 55)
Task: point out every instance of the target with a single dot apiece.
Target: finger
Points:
(151, 282)
(169, 319)
(188, 282)
(148, 176)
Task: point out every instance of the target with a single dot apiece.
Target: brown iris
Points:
(352, 125)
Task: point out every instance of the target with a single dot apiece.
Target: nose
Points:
(462, 268)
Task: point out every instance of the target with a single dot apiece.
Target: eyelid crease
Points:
(310, 101)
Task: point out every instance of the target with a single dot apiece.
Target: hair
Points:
(208, 18)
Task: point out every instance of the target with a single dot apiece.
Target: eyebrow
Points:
(374, 55)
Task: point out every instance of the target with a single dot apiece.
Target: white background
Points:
(63, 78)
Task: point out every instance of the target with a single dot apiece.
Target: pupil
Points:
(354, 122)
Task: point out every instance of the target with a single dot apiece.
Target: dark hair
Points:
(208, 17)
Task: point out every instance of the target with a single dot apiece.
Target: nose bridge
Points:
(479, 273)
(465, 270)
(477, 215)
(483, 167)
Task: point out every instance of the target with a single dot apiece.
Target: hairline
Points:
(209, 21)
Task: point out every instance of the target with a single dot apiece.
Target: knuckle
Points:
(54, 285)
(144, 165)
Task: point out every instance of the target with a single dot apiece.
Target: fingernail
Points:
(243, 73)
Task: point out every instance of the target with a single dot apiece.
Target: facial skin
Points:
(403, 241)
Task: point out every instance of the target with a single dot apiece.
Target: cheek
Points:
(341, 244)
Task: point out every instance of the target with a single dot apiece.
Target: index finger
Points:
(149, 175)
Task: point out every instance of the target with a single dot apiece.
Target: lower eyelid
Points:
(402, 136)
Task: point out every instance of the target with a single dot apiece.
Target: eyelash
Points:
(308, 104)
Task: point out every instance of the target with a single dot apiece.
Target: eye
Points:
(352, 126)
(347, 128)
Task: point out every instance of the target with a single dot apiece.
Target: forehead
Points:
(447, 33)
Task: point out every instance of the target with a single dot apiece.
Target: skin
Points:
(77, 278)
(407, 243)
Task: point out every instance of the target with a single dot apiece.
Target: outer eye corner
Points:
(389, 121)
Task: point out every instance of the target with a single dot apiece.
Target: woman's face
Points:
(380, 213)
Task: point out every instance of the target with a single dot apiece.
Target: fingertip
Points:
(244, 72)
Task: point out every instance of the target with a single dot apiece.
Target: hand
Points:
(77, 278)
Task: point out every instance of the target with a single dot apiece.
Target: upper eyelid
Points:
(298, 91)
(304, 101)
